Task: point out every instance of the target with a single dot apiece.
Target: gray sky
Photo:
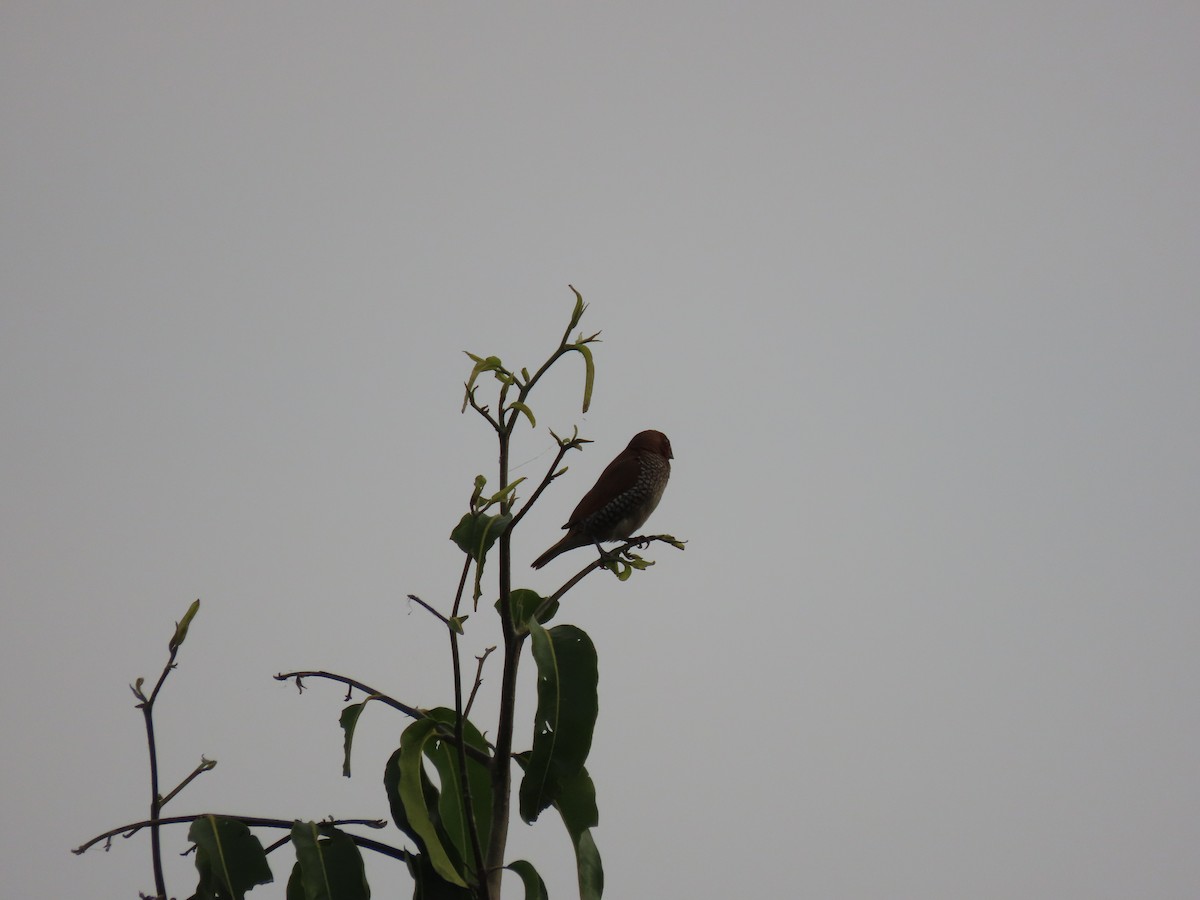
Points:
(911, 287)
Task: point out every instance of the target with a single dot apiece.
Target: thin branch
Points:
(462, 583)
(482, 410)
(443, 731)
(411, 711)
(429, 609)
(130, 830)
(205, 765)
(574, 443)
(478, 679)
(156, 800)
(601, 562)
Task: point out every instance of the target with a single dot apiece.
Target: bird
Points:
(623, 497)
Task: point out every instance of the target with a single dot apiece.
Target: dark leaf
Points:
(524, 603)
(535, 888)
(412, 751)
(451, 806)
(329, 864)
(229, 858)
(566, 714)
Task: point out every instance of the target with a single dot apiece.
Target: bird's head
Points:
(652, 442)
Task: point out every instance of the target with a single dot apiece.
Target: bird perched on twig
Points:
(622, 498)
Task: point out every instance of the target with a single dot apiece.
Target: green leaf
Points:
(576, 803)
(444, 756)
(535, 888)
(566, 713)
(476, 532)
(504, 493)
(518, 405)
(588, 867)
(349, 721)
(391, 783)
(490, 364)
(524, 603)
(428, 885)
(589, 370)
(229, 858)
(412, 796)
(181, 627)
(580, 306)
(328, 864)
(480, 481)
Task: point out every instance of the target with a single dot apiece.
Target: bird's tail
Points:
(569, 542)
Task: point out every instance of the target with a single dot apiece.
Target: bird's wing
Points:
(621, 475)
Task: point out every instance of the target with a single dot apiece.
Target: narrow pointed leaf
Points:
(391, 783)
(229, 858)
(589, 373)
(181, 627)
(451, 806)
(576, 803)
(580, 306)
(588, 867)
(504, 493)
(349, 721)
(412, 752)
(528, 413)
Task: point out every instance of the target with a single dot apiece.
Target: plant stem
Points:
(502, 756)
(160, 884)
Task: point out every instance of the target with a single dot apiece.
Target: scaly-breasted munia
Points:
(622, 498)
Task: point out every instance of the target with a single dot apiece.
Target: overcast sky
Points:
(912, 288)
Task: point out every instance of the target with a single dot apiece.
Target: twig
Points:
(250, 821)
(429, 609)
(205, 765)
(574, 443)
(478, 680)
(448, 733)
(411, 711)
(482, 410)
(602, 561)
(156, 801)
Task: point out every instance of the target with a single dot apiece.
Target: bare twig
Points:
(133, 828)
(478, 680)
(156, 801)
(205, 765)
(482, 410)
(602, 561)
(429, 609)
(411, 711)
(573, 443)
